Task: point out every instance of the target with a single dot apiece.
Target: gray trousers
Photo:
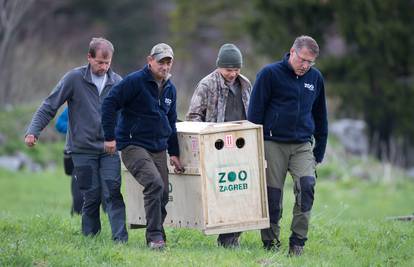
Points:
(298, 159)
(99, 174)
(151, 171)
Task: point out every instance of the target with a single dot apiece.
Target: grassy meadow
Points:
(349, 227)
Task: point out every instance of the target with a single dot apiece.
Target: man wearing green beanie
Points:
(221, 96)
(224, 94)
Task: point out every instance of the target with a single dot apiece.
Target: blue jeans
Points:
(98, 174)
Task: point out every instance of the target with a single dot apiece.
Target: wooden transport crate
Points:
(224, 186)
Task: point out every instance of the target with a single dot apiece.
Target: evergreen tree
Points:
(373, 78)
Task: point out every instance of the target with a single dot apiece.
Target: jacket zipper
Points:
(160, 94)
(297, 115)
(273, 123)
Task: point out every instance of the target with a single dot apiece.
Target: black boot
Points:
(271, 244)
(295, 250)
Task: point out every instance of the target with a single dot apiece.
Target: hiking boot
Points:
(229, 240)
(295, 250)
(156, 245)
(234, 243)
(271, 245)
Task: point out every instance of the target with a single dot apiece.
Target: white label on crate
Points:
(194, 144)
(229, 141)
(233, 180)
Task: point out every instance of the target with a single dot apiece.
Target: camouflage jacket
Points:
(210, 97)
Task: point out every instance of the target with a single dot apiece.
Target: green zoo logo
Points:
(232, 181)
(170, 189)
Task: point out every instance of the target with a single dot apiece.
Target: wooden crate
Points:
(224, 186)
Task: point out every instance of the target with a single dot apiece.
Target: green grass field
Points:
(348, 228)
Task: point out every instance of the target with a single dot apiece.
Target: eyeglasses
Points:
(302, 60)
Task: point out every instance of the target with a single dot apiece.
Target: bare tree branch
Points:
(16, 15)
(11, 16)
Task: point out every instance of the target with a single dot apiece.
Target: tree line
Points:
(366, 48)
(366, 53)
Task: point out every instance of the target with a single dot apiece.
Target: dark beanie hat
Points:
(229, 56)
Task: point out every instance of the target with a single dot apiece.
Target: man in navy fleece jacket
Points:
(146, 128)
(288, 99)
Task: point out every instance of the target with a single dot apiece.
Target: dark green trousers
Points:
(298, 160)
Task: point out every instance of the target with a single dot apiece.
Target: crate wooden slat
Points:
(183, 208)
(223, 190)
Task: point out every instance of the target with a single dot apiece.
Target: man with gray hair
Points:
(288, 99)
(96, 171)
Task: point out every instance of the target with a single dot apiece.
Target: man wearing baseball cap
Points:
(145, 130)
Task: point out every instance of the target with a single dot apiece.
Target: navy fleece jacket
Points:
(147, 117)
(291, 108)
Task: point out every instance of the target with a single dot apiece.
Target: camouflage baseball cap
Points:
(161, 50)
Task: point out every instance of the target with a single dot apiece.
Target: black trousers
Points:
(97, 175)
(77, 198)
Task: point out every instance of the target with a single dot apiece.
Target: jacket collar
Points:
(285, 62)
(88, 77)
(221, 79)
